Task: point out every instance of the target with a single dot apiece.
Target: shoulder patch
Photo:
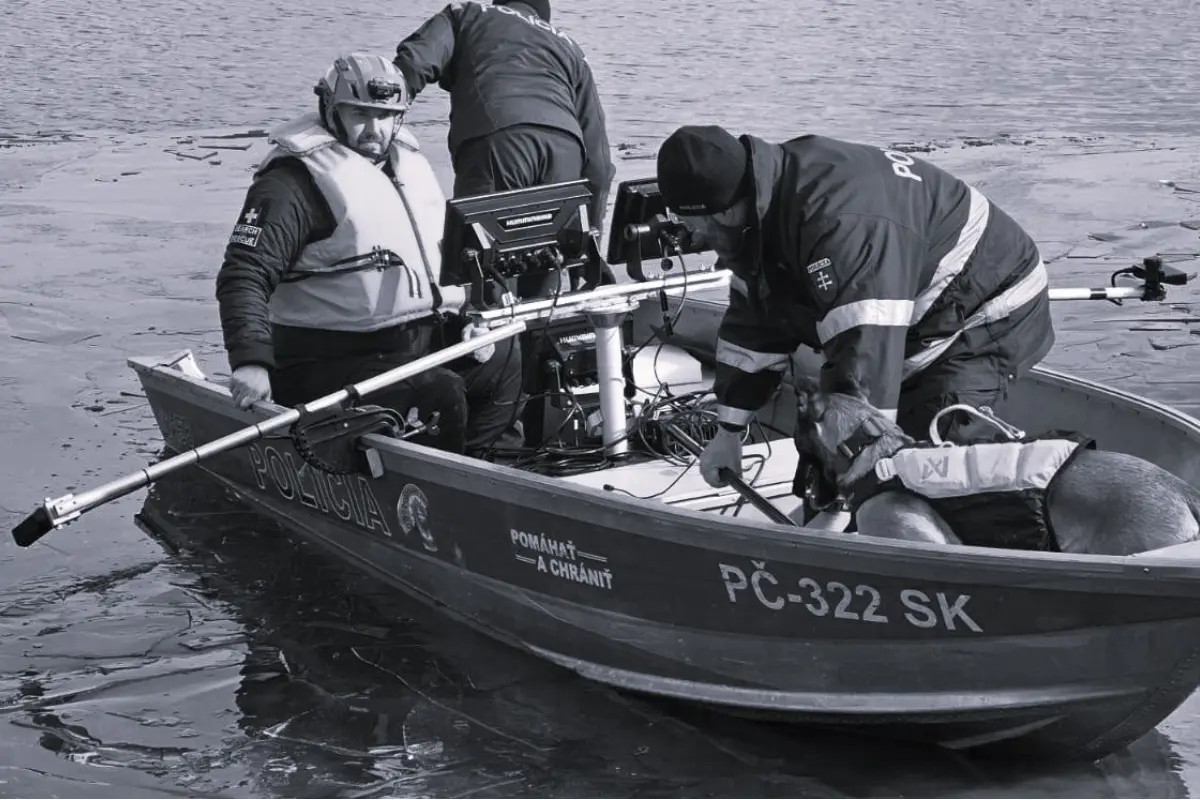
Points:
(249, 225)
(822, 279)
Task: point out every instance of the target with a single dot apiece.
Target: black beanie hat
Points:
(701, 170)
(540, 7)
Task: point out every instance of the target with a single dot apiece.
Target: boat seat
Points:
(767, 466)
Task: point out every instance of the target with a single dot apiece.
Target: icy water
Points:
(201, 653)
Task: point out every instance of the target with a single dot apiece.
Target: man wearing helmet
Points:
(329, 276)
(917, 289)
(524, 106)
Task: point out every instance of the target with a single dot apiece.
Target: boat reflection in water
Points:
(351, 689)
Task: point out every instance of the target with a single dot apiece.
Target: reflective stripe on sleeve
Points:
(747, 360)
(883, 313)
(953, 263)
(1002, 305)
(734, 416)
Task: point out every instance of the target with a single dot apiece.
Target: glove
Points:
(723, 451)
(249, 384)
(483, 354)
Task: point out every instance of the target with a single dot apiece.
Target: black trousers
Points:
(519, 157)
(478, 404)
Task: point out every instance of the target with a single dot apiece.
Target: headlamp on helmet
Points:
(386, 91)
(365, 80)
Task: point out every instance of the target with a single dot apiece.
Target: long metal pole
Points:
(61, 510)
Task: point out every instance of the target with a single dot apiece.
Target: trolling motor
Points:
(1154, 274)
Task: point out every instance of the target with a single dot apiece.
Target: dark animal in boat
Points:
(1097, 502)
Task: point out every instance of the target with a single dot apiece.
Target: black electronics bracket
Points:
(643, 229)
(491, 241)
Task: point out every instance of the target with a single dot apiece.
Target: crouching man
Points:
(329, 274)
(917, 290)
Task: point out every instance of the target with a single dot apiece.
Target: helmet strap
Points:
(331, 119)
(391, 139)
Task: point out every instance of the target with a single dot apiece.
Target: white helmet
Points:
(361, 79)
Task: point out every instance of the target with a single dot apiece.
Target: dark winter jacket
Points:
(875, 258)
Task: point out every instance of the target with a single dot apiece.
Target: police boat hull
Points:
(1051, 655)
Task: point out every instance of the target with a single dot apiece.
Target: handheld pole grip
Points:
(755, 499)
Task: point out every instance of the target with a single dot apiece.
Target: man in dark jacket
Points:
(524, 110)
(918, 290)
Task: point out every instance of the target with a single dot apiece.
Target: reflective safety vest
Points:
(379, 267)
(991, 495)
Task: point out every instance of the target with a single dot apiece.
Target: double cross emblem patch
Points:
(822, 279)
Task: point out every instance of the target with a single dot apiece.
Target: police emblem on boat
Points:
(413, 511)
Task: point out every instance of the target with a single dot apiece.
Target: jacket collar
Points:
(529, 9)
(766, 173)
(766, 170)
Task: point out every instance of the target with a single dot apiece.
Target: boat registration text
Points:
(852, 602)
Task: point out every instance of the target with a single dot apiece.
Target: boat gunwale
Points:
(718, 532)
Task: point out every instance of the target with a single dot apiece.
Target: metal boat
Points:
(629, 570)
(695, 595)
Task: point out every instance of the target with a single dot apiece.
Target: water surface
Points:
(204, 653)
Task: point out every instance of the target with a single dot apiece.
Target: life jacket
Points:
(991, 495)
(377, 268)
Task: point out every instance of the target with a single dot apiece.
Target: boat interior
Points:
(662, 382)
(668, 379)
(619, 377)
(566, 436)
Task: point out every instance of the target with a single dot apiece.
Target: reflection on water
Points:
(289, 675)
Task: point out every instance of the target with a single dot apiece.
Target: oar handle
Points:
(741, 487)
(55, 512)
